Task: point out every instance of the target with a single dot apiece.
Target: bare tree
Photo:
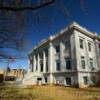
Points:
(13, 20)
(12, 25)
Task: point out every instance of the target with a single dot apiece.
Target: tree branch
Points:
(32, 7)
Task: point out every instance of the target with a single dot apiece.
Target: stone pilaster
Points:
(38, 65)
(44, 62)
(51, 62)
(34, 62)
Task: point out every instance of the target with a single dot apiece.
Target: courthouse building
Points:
(67, 58)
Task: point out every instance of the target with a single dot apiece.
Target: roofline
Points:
(72, 25)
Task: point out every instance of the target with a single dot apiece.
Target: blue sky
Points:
(52, 19)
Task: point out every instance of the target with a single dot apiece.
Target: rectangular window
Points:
(67, 44)
(46, 66)
(58, 49)
(68, 80)
(85, 78)
(99, 48)
(57, 65)
(41, 67)
(83, 62)
(36, 66)
(89, 46)
(67, 63)
(91, 64)
(46, 79)
(81, 43)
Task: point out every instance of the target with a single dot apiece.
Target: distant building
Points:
(18, 73)
(69, 58)
(2, 71)
(1, 76)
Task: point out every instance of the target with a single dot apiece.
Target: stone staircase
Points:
(30, 78)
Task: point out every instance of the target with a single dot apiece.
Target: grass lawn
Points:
(49, 93)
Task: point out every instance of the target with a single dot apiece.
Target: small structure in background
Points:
(11, 74)
(18, 73)
(1, 76)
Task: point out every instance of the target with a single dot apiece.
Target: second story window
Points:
(58, 49)
(67, 44)
(89, 46)
(58, 65)
(99, 48)
(83, 62)
(41, 67)
(67, 63)
(91, 64)
(81, 43)
(46, 66)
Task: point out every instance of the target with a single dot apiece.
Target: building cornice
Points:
(71, 26)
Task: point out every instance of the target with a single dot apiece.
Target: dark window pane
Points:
(67, 63)
(57, 49)
(81, 43)
(58, 65)
(68, 81)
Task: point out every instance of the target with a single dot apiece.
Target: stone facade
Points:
(67, 58)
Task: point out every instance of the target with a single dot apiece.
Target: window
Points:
(99, 48)
(57, 49)
(36, 66)
(85, 78)
(68, 63)
(68, 80)
(57, 65)
(83, 62)
(89, 46)
(46, 79)
(91, 64)
(81, 43)
(67, 44)
(41, 67)
(46, 66)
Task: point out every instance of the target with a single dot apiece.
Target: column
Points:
(38, 65)
(34, 63)
(29, 65)
(44, 62)
(61, 56)
(51, 62)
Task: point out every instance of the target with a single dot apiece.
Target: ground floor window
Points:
(68, 80)
(85, 79)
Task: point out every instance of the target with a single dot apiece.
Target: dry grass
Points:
(49, 93)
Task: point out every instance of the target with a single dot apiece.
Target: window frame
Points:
(41, 67)
(57, 49)
(83, 62)
(58, 68)
(85, 79)
(81, 43)
(67, 44)
(91, 62)
(46, 79)
(68, 80)
(66, 63)
(89, 46)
